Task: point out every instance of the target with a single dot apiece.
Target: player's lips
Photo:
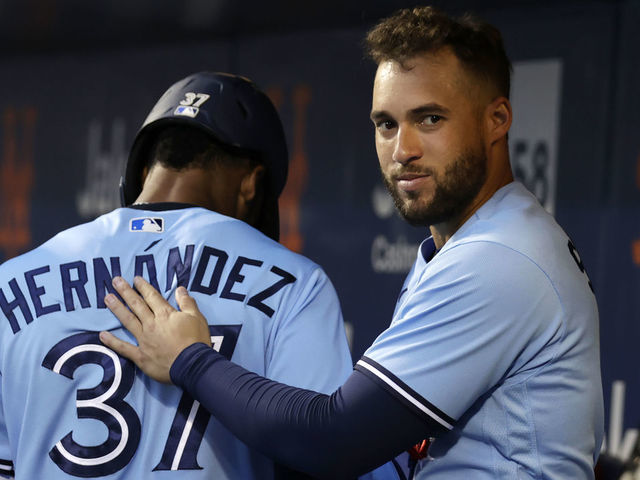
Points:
(411, 181)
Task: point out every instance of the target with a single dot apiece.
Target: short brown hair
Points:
(411, 32)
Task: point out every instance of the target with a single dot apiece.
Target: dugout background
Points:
(77, 78)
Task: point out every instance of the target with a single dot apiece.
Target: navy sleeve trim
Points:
(399, 471)
(404, 392)
(6, 468)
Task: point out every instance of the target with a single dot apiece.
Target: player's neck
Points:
(194, 186)
(496, 179)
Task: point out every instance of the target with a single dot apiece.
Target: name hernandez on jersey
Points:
(75, 275)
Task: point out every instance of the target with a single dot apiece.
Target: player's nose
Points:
(407, 145)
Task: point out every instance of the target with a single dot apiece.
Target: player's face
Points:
(428, 137)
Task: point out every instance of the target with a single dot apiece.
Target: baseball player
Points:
(492, 352)
(200, 194)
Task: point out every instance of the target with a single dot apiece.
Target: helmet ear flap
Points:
(123, 202)
(131, 181)
(236, 114)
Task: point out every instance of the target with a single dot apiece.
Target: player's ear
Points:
(250, 193)
(498, 117)
(251, 183)
(143, 175)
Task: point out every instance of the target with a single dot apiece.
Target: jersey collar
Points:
(162, 206)
(428, 249)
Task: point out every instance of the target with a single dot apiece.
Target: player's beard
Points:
(454, 191)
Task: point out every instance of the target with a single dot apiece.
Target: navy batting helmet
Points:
(235, 113)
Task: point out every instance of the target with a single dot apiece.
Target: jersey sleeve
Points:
(308, 348)
(6, 460)
(482, 314)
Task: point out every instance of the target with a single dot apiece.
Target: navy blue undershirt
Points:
(338, 436)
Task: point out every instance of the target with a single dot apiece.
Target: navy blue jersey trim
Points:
(399, 470)
(404, 392)
(162, 206)
(152, 245)
(6, 468)
(402, 292)
(428, 249)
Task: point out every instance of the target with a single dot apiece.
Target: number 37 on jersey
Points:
(107, 404)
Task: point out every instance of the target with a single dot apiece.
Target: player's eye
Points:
(385, 124)
(431, 119)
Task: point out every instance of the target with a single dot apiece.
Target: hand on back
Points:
(162, 331)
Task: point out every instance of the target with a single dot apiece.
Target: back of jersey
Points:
(70, 407)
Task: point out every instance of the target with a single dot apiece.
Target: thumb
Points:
(186, 302)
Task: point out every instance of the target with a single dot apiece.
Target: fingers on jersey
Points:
(161, 331)
(186, 302)
(121, 347)
(136, 304)
(148, 304)
(158, 370)
(126, 317)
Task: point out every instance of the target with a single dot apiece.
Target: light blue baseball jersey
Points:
(495, 337)
(72, 408)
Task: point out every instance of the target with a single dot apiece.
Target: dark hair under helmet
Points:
(235, 113)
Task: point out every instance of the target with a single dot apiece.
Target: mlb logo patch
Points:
(186, 111)
(147, 224)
